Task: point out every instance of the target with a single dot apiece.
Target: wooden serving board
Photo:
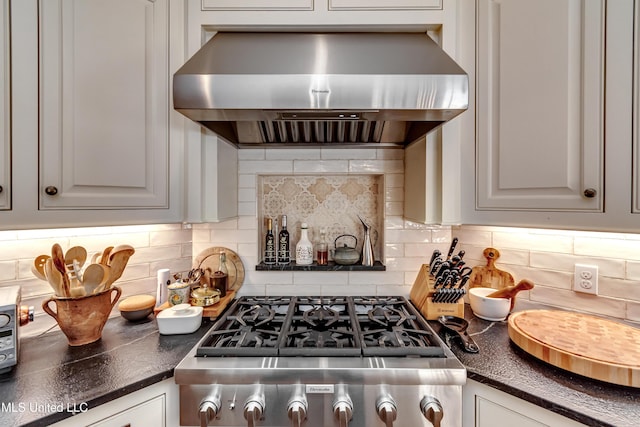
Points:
(209, 260)
(212, 311)
(490, 276)
(580, 343)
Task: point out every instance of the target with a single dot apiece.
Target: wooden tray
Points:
(209, 260)
(580, 343)
(490, 276)
(212, 312)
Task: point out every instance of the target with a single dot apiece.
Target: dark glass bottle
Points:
(284, 251)
(270, 244)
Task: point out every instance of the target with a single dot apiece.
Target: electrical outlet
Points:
(585, 279)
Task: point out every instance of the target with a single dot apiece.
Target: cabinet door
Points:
(483, 406)
(149, 413)
(540, 105)
(636, 113)
(104, 102)
(5, 104)
(384, 4)
(257, 5)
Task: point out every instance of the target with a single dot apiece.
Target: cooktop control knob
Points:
(343, 408)
(209, 409)
(297, 409)
(432, 410)
(253, 409)
(387, 410)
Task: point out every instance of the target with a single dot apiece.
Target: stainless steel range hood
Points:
(305, 89)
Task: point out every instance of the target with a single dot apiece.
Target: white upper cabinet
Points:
(104, 102)
(94, 138)
(548, 76)
(320, 14)
(636, 113)
(5, 107)
(540, 105)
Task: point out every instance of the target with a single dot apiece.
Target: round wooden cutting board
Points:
(209, 260)
(583, 344)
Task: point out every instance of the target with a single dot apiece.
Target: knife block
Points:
(421, 294)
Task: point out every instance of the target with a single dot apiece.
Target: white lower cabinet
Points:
(484, 406)
(153, 406)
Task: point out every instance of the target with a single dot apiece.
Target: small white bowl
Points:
(493, 309)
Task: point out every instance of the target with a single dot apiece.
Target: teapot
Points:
(345, 255)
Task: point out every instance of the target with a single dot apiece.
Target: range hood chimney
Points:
(309, 89)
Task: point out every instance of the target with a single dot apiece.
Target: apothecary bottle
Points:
(284, 251)
(222, 275)
(322, 249)
(304, 248)
(269, 244)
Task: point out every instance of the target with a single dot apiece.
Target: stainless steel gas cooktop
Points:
(321, 361)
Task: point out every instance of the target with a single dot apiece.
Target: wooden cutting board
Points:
(490, 276)
(212, 311)
(580, 343)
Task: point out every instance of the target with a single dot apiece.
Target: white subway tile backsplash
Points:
(293, 154)
(251, 154)
(264, 166)
(247, 181)
(8, 270)
(348, 153)
(610, 248)
(376, 166)
(320, 166)
(633, 271)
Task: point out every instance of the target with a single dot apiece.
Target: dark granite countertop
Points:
(50, 373)
(131, 356)
(504, 366)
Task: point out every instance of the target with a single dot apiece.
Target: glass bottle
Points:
(221, 276)
(284, 252)
(304, 248)
(322, 253)
(269, 244)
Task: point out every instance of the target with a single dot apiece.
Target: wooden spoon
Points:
(104, 259)
(118, 261)
(76, 253)
(93, 277)
(58, 261)
(38, 266)
(511, 291)
(54, 278)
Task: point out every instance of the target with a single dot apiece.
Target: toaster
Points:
(12, 316)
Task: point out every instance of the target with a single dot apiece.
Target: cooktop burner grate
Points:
(321, 326)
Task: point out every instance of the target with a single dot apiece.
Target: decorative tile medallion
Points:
(329, 202)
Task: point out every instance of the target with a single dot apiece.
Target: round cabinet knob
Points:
(590, 193)
(51, 190)
(1, 188)
(343, 409)
(431, 408)
(387, 410)
(253, 409)
(297, 410)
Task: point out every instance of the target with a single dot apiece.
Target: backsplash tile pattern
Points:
(325, 202)
(157, 246)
